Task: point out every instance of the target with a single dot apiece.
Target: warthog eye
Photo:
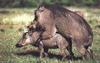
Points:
(25, 35)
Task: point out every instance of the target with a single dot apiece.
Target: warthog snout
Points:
(18, 45)
(24, 40)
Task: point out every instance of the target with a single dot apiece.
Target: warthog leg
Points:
(85, 52)
(46, 52)
(89, 53)
(69, 48)
(63, 50)
(41, 49)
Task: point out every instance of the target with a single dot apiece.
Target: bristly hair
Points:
(55, 8)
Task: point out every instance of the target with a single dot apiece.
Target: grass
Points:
(12, 22)
(16, 16)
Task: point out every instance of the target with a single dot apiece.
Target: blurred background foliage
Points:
(15, 15)
(34, 3)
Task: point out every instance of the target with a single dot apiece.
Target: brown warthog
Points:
(69, 24)
(57, 41)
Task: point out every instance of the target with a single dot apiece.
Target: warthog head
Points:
(25, 39)
(28, 38)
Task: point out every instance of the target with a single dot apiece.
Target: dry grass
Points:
(12, 22)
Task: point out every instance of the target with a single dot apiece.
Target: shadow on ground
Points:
(50, 55)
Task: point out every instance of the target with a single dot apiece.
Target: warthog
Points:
(79, 13)
(57, 41)
(69, 24)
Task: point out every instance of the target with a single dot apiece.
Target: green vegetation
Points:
(34, 3)
(12, 22)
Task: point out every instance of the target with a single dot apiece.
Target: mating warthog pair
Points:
(68, 24)
(72, 26)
